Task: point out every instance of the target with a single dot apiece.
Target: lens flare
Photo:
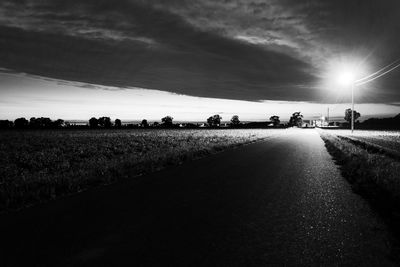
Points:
(346, 78)
(341, 73)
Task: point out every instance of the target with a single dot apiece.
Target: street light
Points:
(347, 78)
(352, 106)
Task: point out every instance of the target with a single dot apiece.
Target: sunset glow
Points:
(33, 96)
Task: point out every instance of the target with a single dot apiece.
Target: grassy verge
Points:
(373, 174)
(36, 166)
(372, 148)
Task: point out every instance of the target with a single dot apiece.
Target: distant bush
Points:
(105, 122)
(117, 123)
(21, 123)
(296, 119)
(144, 124)
(347, 115)
(93, 122)
(215, 121)
(235, 122)
(167, 121)
(275, 120)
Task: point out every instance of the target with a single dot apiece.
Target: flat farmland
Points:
(387, 140)
(370, 161)
(41, 165)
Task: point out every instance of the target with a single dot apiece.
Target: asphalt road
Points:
(276, 202)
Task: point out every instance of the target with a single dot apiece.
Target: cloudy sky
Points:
(251, 51)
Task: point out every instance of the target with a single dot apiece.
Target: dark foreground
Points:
(282, 201)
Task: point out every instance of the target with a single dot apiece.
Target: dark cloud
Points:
(241, 49)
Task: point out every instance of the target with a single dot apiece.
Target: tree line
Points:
(106, 123)
(214, 121)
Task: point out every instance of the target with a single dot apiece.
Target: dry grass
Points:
(41, 165)
(389, 140)
(373, 173)
(366, 169)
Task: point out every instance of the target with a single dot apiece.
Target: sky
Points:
(189, 58)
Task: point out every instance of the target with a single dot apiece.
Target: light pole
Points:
(347, 79)
(347, 76)
(352, 107)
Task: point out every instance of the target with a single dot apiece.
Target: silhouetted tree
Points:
(210, 121)
(21, 123)
(144, 124)
(167, 121)
(58, 123)
(235, 120)
(117, 123)
(33, 123)
(46, 122)
(214, 121)
(41, 123)
(156, 124)
(296, 119)
(93, 122)
(275, 120)
(105, 122)
(347, 115)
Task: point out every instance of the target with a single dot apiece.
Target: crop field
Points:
(370, 162)
(388, 140)
(42, 165)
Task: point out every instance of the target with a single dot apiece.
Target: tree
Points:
(40, 122)
(214, 121)
(58, 123)
(347, 115)
(144, 124)
(235, 120)
(33, 123)
(93, 122)
(167, 121)
(21, 123)
(105, 122)
(45, 122)
(275, 120)
(296, 119)
(210, 121)
(117, 123)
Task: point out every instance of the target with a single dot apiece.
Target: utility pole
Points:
(327, 118)
(352, 108)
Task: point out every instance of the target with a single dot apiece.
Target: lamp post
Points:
(352, 107)
(348, 78)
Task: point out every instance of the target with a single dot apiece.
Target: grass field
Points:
(367, 157)
(389, 140)
(41, 165)
(369, 161)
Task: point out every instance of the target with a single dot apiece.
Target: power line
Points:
(363, 81)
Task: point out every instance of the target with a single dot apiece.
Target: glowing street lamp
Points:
(347, 78)
(347, 75)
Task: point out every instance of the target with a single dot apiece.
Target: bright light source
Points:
(346, 78)
(340, 73)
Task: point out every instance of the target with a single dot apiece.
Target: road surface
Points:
(277, 202)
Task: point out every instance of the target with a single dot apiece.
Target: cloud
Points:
(27, 96)
(239, 49)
